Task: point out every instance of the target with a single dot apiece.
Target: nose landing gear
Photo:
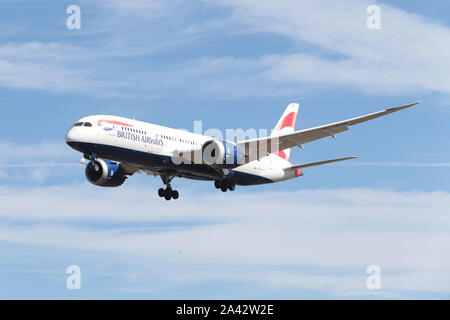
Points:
(224, 185)
(167, 193)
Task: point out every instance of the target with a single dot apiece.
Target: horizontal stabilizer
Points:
(319, 163)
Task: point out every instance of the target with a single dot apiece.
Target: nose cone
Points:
(70, 136)
(73, 137)
(78, 139)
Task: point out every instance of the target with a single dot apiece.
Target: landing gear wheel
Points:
(224, 185)
(167, 193)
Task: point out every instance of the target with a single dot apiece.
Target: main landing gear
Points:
(167, 193)
(224, 185)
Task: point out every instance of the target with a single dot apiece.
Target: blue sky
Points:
(231, 64)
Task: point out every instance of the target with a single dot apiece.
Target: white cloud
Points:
(58, 67)
(340, 232)
(14, 153)
(331, 46)
(38, 51)
(40, 76)
(34, 162)
(45, 66)
(148, 8)
(210, 76)
(409, 53)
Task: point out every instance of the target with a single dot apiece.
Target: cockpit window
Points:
(87, 124)
(78, 124)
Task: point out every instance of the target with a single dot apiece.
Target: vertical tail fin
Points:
(286, 124)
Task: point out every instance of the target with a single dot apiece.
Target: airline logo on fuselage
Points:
(108, 125)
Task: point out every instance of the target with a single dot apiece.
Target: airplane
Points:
(115, 147)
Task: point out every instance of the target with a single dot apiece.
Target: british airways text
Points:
(139, 138)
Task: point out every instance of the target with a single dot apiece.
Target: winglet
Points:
(357, 120)
(403, 107)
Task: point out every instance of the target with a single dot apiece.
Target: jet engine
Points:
(222, 153)
(105, 173)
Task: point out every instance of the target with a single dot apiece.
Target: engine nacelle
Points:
(222, 153)
(105, 173)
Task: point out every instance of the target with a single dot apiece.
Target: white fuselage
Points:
(150, 147)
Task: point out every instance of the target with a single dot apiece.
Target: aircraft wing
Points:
(260, 147)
